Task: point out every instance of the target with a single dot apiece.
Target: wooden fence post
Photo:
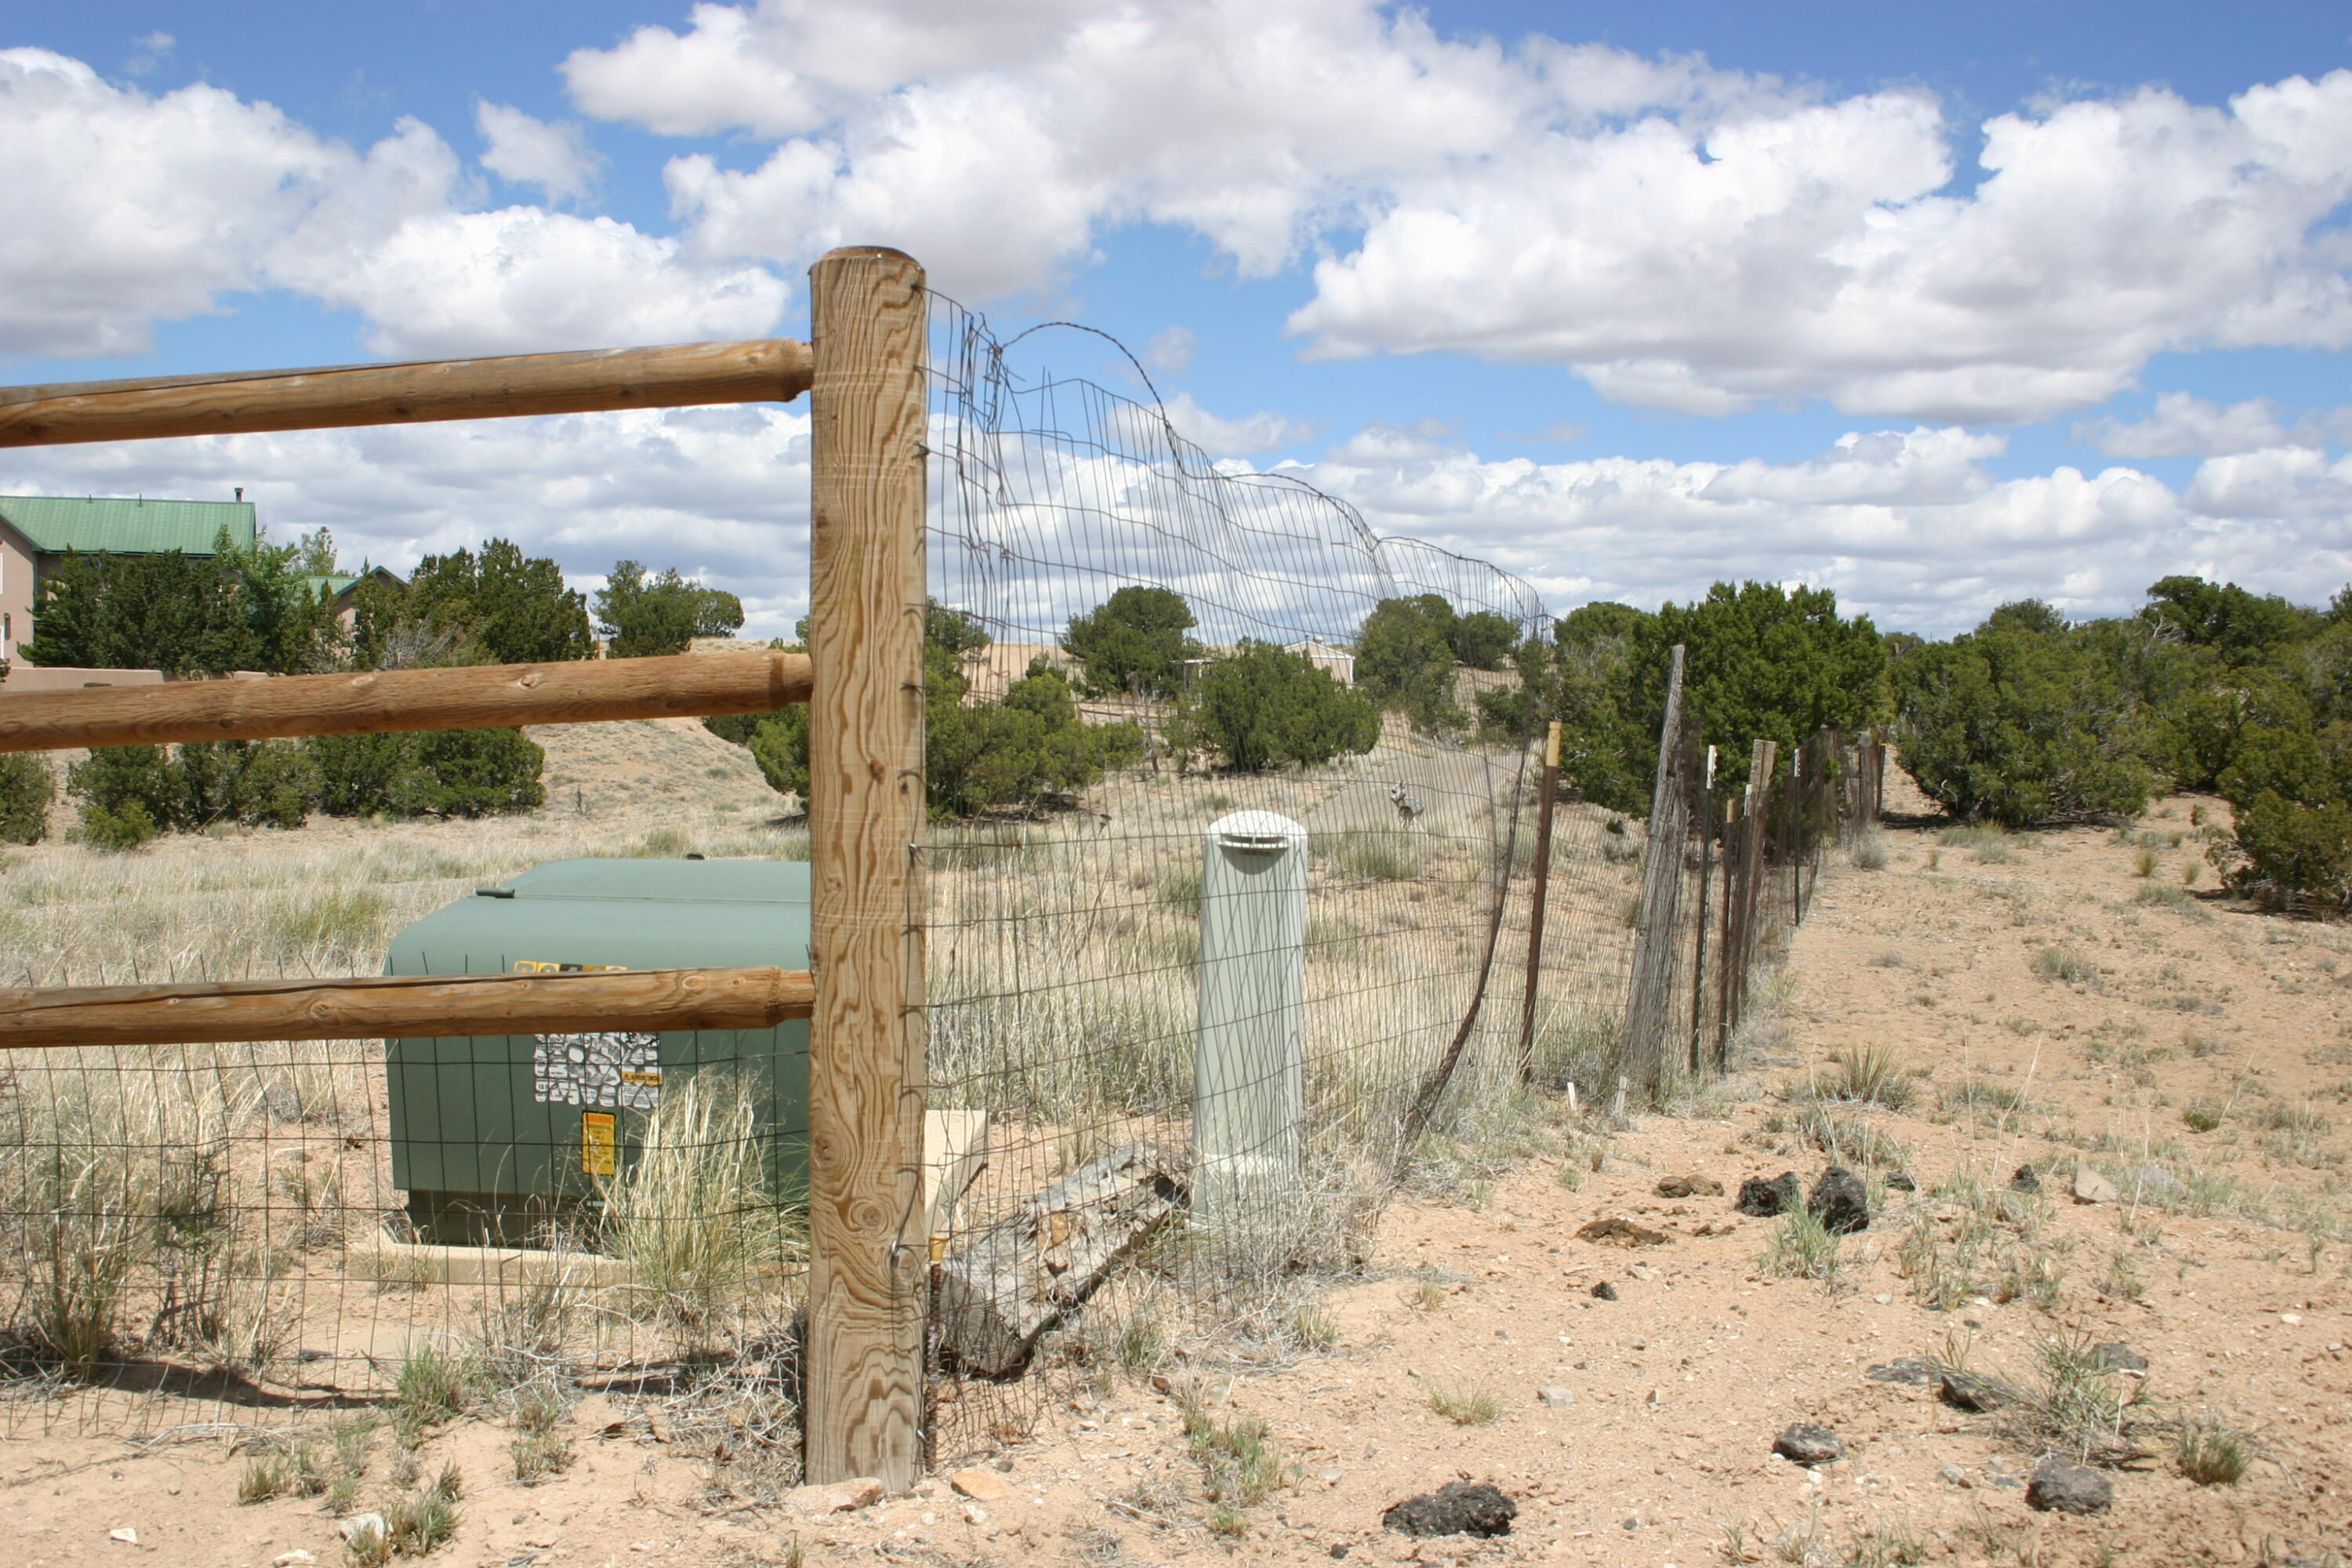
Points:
(1705, 817)
(1535, 913)
(869, 1254)
(1640, 1049)
(1725, 951)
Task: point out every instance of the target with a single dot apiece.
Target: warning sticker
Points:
(616, 1070)
(596, 1143)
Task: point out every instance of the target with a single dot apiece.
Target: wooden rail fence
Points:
(864, 369)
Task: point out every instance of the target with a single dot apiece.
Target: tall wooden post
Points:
(1705, 817)
(1541, 895)
(1640, 1047)
(868, 1254)
(1725, 972)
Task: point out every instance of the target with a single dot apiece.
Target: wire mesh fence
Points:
(1228, 895)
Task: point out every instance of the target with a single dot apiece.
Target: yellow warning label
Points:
(596, 1143)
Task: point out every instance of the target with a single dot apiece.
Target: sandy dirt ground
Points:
(2043, 1004)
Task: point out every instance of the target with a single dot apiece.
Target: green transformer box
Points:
(496, 1140)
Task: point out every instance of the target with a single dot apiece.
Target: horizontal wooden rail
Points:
(761, 370)
(403, 1006)
(470, 697)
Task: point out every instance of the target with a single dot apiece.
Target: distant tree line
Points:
(1248, 708)
(258, 609)
(2032, 718)
(1759, 662)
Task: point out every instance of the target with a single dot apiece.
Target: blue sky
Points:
(1937, 310)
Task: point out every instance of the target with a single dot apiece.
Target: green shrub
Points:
(2021, 722)
(1264, 706)
(1133, 642)
(130, 794)
(368, 775)
(114, 779)
(27, 787)
(645, 614)
(440, 773)
(481, 772)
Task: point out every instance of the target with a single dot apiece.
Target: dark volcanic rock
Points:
(1901, 1369)
(1900, 1182)
(2065, 1487)
(1804, 1443)
(1764, 1199)
(1839, 1202)
(1457, 1508)
(1604, 1291)
(2026, 1179)
(1966, 1391)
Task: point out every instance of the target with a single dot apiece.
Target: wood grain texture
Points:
(868, 1254)
(1012, 1281)
(405, 1006)
(470, 697)
(757, 371)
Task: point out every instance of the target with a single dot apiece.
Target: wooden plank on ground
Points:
(998, 1292)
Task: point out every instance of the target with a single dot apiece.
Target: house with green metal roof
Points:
(36, 531)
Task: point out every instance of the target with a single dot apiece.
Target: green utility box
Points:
(496, 1138)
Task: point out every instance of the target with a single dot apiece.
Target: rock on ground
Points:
(1839, 1202)
(1764, 1199)
(1807, 1443)
(1690, 1187)
(2026, 1179)
(2064, 1487)
(2089, 1187)
(1901, 1369)
(1457, 1508)
(1621, 1232)
(1558, 1397)
(2118, 1356)
(1966, 1391)
(1604, 1291)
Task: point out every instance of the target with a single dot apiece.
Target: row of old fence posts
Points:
(1649, 1004)
(1547, 793)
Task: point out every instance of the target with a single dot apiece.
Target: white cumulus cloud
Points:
(1682, 236)
(2184, 424)
(125, 209)
(526, 151)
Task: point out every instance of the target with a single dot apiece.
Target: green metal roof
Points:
(55, 524)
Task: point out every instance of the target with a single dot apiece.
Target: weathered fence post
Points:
(1705, 817)
(868, 1254)
(1249, 1064)
(1756, 816)
(1550, 789)
(1724, 949)
(1640, 1050)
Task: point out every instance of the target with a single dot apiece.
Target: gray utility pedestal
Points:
(1247, 1070)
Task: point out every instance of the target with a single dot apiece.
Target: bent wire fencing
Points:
(1227, 903)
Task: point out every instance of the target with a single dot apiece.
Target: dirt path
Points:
(2033, 1002)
